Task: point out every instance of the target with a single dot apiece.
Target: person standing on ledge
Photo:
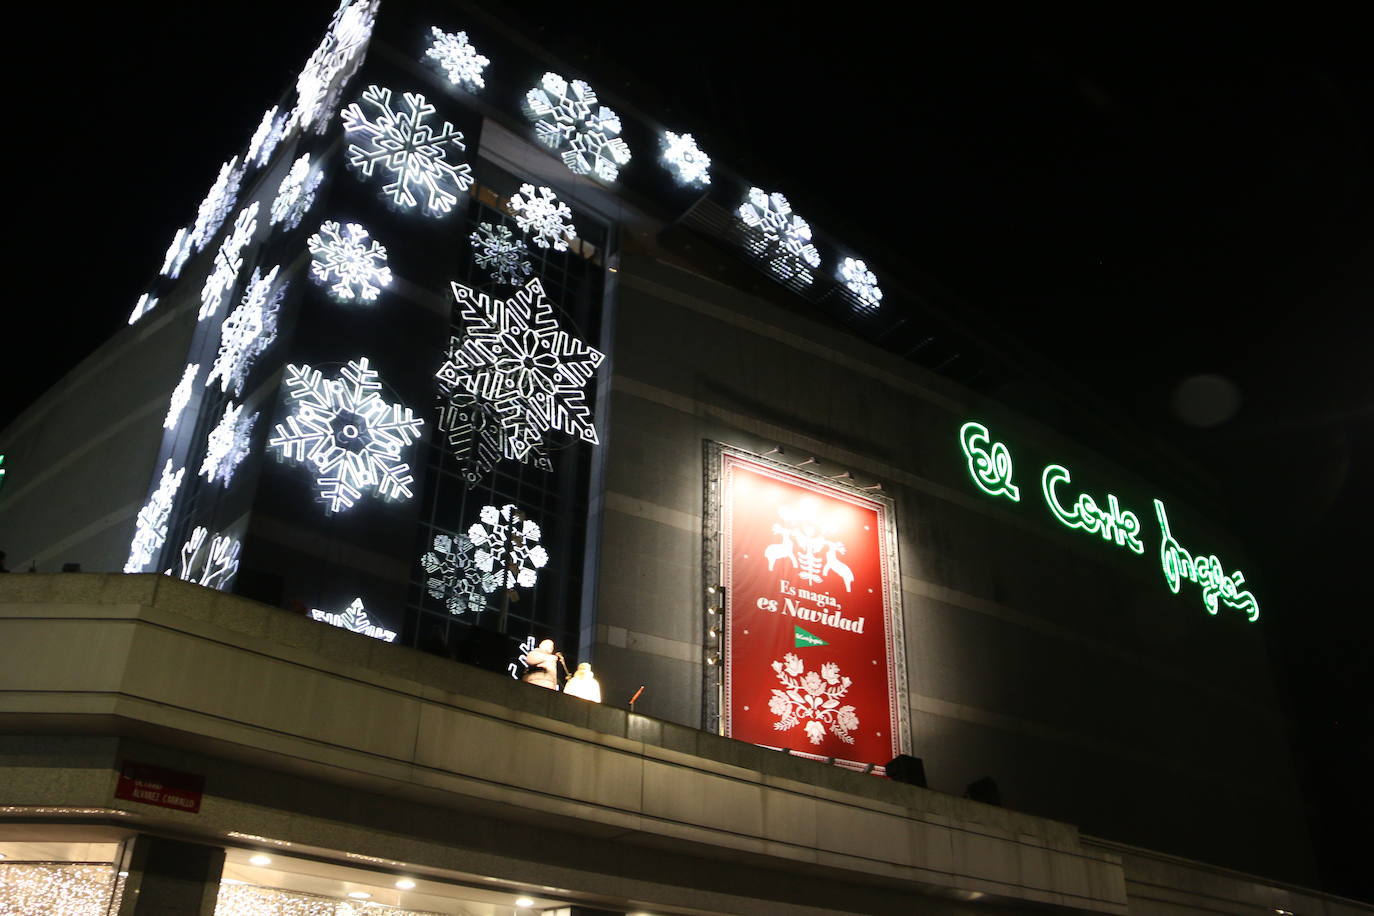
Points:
(543, 665)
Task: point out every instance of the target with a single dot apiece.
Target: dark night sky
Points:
(1139, 202)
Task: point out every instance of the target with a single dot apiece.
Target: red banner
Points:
(809, 654)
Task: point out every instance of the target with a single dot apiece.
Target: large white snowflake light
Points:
(332, 64)
(454, 577)
(544, 216)
(211, 562)
(248, 331)
(352, 437)
(507, 545)
(342, 254)
(689, 165)
(813, 696)
(862, 283)
(500, 255)
(227, 444)
(516, 360)
(296, 193)
(458, 58)
(564, 116)
(228, 260)
(143, 306)
(354, 619)
(265, 139)
(181, 396)
(778, 236)
(223, 194)
(413, 153)
(177, 253)
(150, 529)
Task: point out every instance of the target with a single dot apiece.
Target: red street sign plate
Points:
(154, 785)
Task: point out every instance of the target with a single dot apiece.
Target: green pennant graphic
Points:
(804, 639)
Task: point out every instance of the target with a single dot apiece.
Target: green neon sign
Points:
(990, 466)
(2, 470)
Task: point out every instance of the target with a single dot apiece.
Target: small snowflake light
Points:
(689, 165)
(496, 252)
(342, 254)
(412, 152)
(227, 444)
(567, 114)
(228, 260)
(265, 138)
(454, 577)
(332, 64)
(507, 545)
(143, 306)
(177, 253)
(296, 193)
(150, 529)
(223, 194)
(352, 437)
(862, 283)
(211, 562)
(181, 396)
(543, 216)
(354, 619)
(248, 331)
(778, 236)
(458, 58)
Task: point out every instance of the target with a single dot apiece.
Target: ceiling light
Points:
(359, 895)
(260, 859)
(405, 884)
(524, 902)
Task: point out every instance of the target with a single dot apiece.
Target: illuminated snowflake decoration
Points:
(507, 545)
(454, 577)
(150, 529)
(778, 236)
(296, 193)
(567, 114)
(227, 444)
(228, 260)
(521, 661)
(689, 165)
(458, 58)
(143, 306)
(861, 282)
(499, 254)
(332, 64)
(352, 437)
(514, 378)
(814, 697)
(354, 619)
(214, 209)
(265, 139)
(342, 255)
(248, 331)
(544, 216)
(213, 564)
(413, 153)
(181, 396)
(177, 253)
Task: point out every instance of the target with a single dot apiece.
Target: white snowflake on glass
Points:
(248, 331)
(150, 528)
(181, 396)
(413, 153)
(813, 696)
(689, 165)
(177, 253)
(515, 376)
(521, 660)
(458, 58)
(227, 444)
(265, 139)
(454, 577)
(499, 254)
(228, 261)
(223, 194)
(861, 282)
(507, 545)
(143, 306)
(778, 236)
(296, 193)
(567, 114)
(213, 564)
(352, 437)
(354, 619)
(544, 216)
(332, 64)
(343, 255)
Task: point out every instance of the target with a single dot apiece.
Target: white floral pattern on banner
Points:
(812, 696)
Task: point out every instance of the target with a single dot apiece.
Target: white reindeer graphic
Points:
(774, 552)
(834, 564)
